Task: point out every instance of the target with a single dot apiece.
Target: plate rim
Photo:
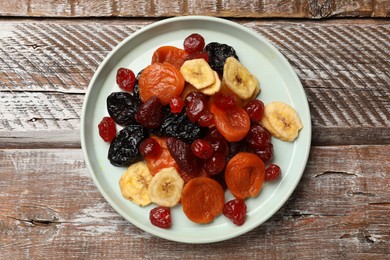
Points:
(197, 18)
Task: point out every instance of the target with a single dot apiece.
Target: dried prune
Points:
(178, 125)
(218, 53)
(181, 152)
(122, 107)
(124, 150)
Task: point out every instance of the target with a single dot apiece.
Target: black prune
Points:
(218, 53)
(122, 107)
(123, 149)
(178, 125)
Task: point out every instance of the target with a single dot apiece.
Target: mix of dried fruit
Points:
(192, 128)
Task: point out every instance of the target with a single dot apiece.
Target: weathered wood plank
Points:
(224, 8)
(45, 69)
(49, 206)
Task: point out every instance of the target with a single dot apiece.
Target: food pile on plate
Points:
(192, 126)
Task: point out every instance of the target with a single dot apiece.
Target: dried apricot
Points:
(233, 123)
(244, 175)
(170, 54)
(162, 80)
(202, 199)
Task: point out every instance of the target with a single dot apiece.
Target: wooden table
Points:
(49, 205)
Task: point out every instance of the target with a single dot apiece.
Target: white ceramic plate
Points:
(278, 82)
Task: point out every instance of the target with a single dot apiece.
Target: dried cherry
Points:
(176, 104)
(194, 43)
(258, 137)
(215, 164)
(125, 78)
(273, 172)
(255, 110)
(107, 129)
(202, 149)
(123, 149)
(161, 217)
(150, 148)
(235, 210)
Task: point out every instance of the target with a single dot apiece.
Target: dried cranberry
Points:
(195, 109)
(150, 148)
(206, 119)
(161, 217)
(235, 210)
(215, 164)
(273, 172)
(194, 43)
(107, 129)
(217, 141)
(224, 101)
(195, 95)
(176, 104)
(125, 78)
(150, 114)
(202, 149)
(255, 110)
(258, 137)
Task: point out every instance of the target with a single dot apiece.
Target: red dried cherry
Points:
(206, 119)
(176, 104)
(161, 217)
(125, 78)
(150, 148)
(255, 109)
(215, 164)
(195, 95)
(266, 153)
(235, 210)
(258, 137)
(107, 129)
(195, 109)
(273, 172)
(202, 149)
(194, 43)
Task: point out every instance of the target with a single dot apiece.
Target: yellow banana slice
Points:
(238, 79)
(134, 184)
(198, 73)
(213, 88)
(282, 121)
(166, 187)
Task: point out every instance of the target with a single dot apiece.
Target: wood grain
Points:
(49, 206)
(314, 9)
(46, 67)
